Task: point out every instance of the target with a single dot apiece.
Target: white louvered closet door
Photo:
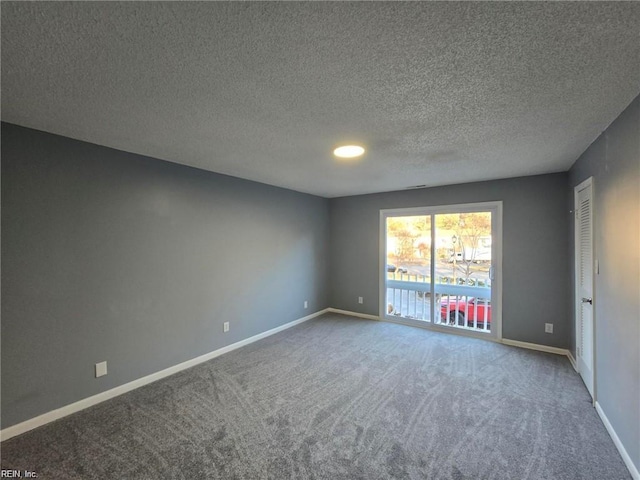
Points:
(584, 283)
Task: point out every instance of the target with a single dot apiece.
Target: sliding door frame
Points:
(496, 262)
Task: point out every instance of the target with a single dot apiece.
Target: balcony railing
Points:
(461, 306)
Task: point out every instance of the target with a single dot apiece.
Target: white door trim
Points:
(588, 183)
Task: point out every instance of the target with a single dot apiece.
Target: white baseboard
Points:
(61, 412)
(536, 346)
(506, 341)
(574, 364)
(353, 314)
(633, 469)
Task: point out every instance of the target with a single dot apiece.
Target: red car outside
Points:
(467, 308)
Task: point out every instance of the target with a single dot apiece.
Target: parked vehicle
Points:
(468, 310)
(393, 269)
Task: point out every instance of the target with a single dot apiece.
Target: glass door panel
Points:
(409, 267)
(463, 273)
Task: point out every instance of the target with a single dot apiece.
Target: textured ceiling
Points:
(439, 93)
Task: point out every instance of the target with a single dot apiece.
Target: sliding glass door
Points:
(441, 267)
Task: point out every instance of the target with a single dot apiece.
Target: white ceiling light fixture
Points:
(349, 151)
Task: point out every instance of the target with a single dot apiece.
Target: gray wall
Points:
(614, 162)
(535, 215)
(113, 256)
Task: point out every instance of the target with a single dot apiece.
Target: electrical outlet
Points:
(101, 369)
(225, 327)
(548, 328)
(306, 304)
(360, 300)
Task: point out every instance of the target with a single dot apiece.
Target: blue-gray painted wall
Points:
(535, 215)
(613, 161)
(113, 256)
